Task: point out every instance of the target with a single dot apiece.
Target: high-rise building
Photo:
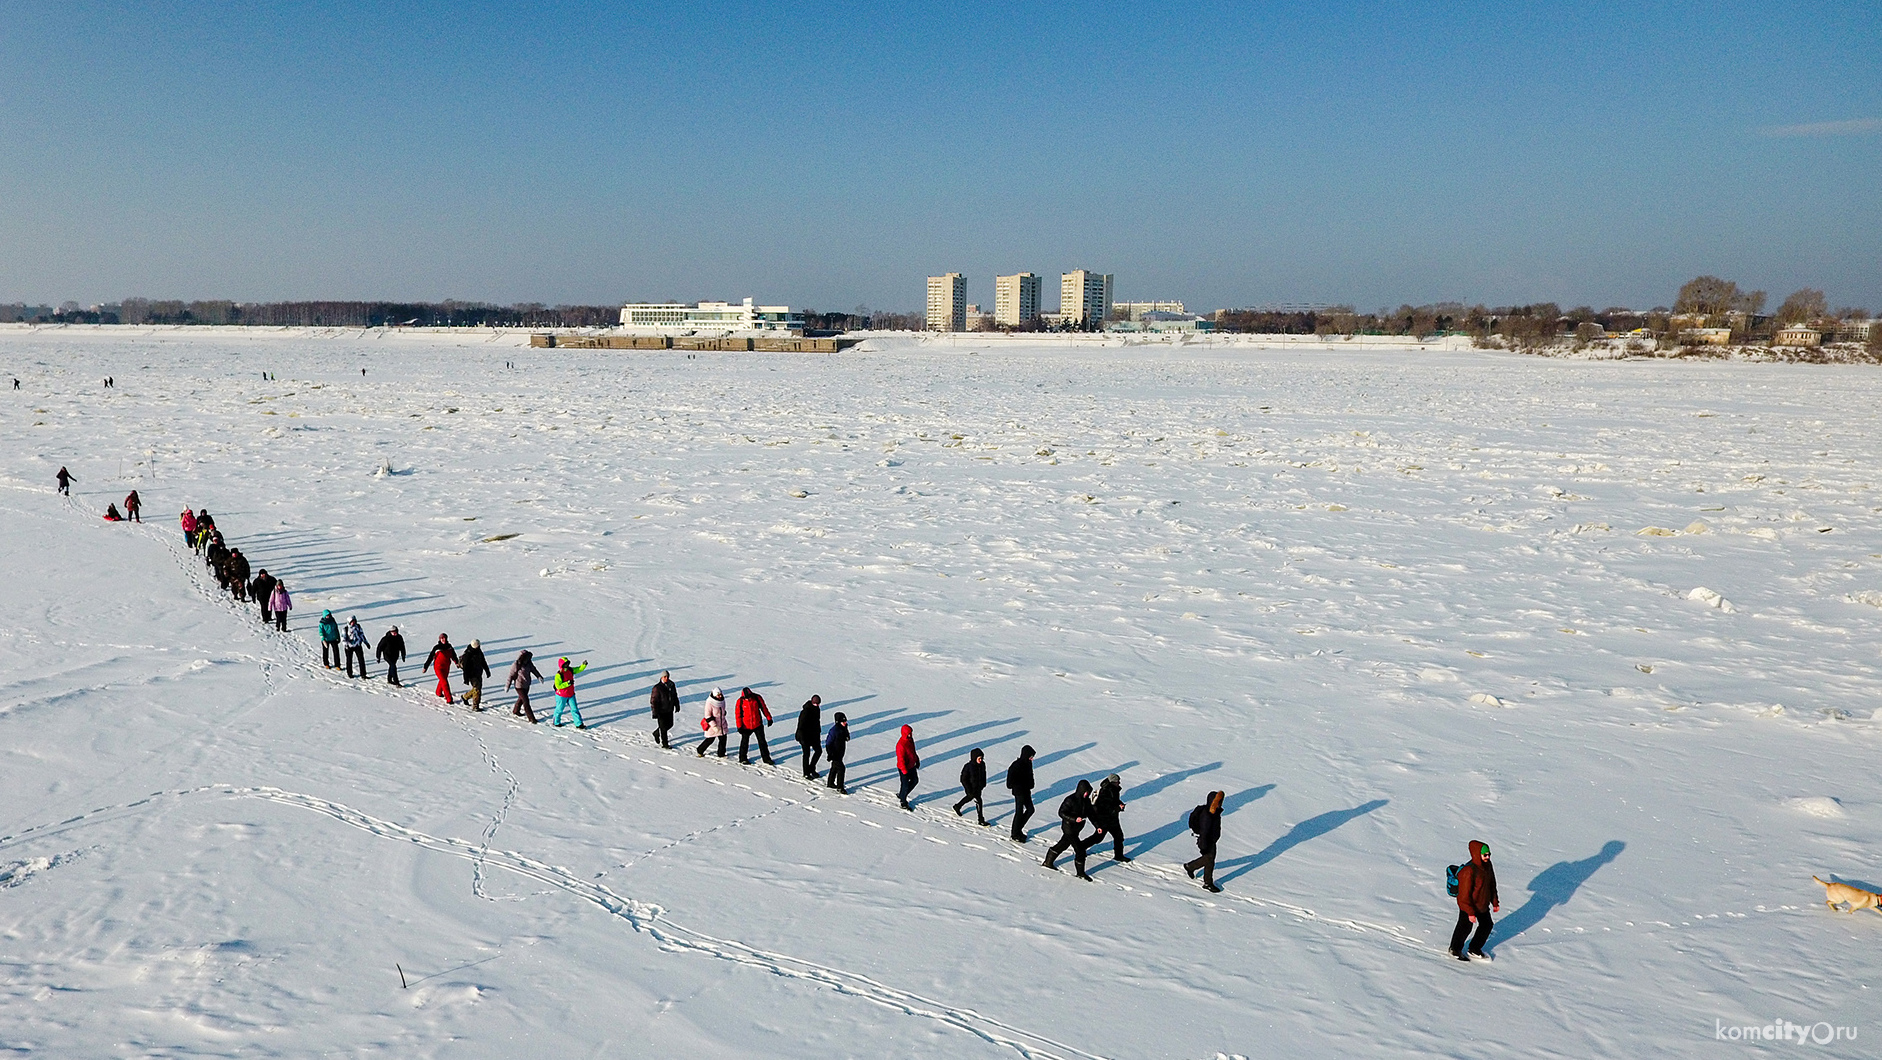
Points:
(947, 302)
(1016, 299)
(1084, 298)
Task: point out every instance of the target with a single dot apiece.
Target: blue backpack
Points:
(1450, 880)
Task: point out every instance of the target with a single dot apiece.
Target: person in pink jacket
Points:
(714, 722)
(189, 526)
(279, 602)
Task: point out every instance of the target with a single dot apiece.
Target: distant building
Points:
(1084, 298)
(1163, 322)
(1136, 310)
(1799, 335)
(677, 318)
(1857, 330)
(947, 302)
(1707, 336)
(1016, 299)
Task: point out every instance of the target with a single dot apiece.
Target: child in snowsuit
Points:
(565, 692)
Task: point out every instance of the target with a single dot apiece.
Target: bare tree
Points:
(1803, 307)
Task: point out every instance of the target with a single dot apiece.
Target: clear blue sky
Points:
(834, 154)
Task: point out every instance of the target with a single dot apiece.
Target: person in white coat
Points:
(714, 722)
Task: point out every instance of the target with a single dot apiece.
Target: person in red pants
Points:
(440, 661)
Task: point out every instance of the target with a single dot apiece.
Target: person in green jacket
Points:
(565, 691)
(329, 641)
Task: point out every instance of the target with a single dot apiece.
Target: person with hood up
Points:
(838, 744)
(1073, 812)
(65, 481)
(355, 639)
(663, 703)
(752, 717)
(907, 763)
(810, 735)
(188, 519)
(238, 575)
(205, 525)
(1019, 781)
(133, 507)
(1476, 897)
(280, 603)
(522, 672)
(111, 514)
(440, 661)
(973, 782)
(391, 651)
(329, 641)
(1105, 809)
(475, 668)
(564, 682)
(714, 724)
(259, 591)
(1206, 822)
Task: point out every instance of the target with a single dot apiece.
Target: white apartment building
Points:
(719, 318)
(1016, 299)
(1084, 298)
(947, 302)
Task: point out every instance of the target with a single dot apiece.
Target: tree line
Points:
(322, 314)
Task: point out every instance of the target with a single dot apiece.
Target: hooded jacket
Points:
(810, 723)
(279, 600)
(522, 671)
(752, 712)
(664, 700)
(1019, 774)
(714, 721)
(1109, 802)
(1211, 824)
(1476, 882)
(974, 773)
(839, 740)
(329, 628)
(1076, 807)
(564, 680)
(906, 760)
(189, 521)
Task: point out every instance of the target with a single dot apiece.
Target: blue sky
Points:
(836, 154)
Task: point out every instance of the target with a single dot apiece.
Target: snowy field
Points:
(1389, 601)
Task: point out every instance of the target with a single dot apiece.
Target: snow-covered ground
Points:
(1389, 601)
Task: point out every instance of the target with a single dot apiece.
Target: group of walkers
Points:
(344, 647)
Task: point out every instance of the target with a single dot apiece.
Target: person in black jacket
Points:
(1104, 816)
(1019, 782)
(664, 702)
(391, 652)
(1072, 815)
(260, 591)
(973, 783)
(1206, 822)
(66, 478)
(837, 744)
(810, 735)
(238, 574)
(475, 668)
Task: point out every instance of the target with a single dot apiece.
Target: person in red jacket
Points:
(1476, 897)
(752, 717)
(440, 661)
(907, 762)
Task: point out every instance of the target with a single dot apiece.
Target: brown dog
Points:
(1837, 894)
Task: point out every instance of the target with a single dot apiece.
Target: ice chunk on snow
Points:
(1655, 531)
(1487, 700)
(1695, 527)
(1867, 596)
(1817, 806)
(1711, 599)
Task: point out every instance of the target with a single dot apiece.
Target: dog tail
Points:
(1826, 883)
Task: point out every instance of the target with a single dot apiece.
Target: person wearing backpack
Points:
(1206, 822)
(1476, 897)
(1072, 815)
(1019, 781)
(973, 782)
(837, 745)
(329, 641)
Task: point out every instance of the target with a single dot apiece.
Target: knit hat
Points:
(717, 694)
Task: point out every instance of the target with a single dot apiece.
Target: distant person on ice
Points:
(1019, 781)
(810, 735)
(663, 703)
(753, 716)
(391, 651)
(1205, 822)
(280, 603)
(475, 668)
(134, 507)
(713, 724)
(329, 641)
(973, 783)
(1073, 812)
(522, 672)
(65, 481)
(838, 745)
(1105, 809)
(565, 692)
(355, 638)
(1476, 897)
(907, 763)
(439, 662)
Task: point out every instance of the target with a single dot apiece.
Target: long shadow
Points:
(940, 756)
(894, 723)
(1166, 781)
(841, 703)
(424, 611)
(1311, 828)
(353, 588)
(1040, 761)
(376, 604)
(1552, 886)
(1064, 785)
(950, 794)
(1164, 833)
(619, 714)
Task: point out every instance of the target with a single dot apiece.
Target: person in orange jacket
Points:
(753, 716)
(1476, 897)
(908, 763)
